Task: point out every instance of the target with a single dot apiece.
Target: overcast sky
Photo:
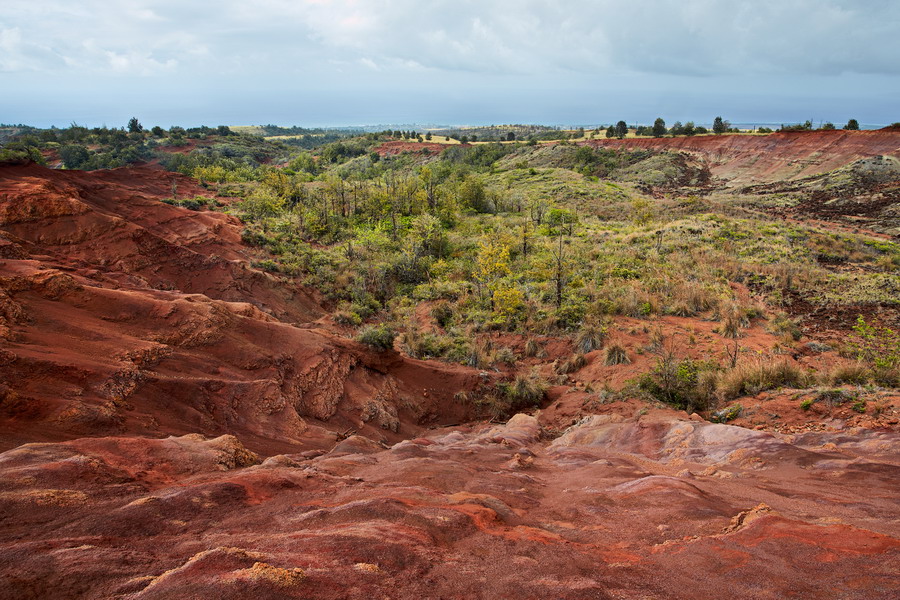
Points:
(342, 62)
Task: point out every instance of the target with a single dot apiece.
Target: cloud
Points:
(691, 37)
(458, 52)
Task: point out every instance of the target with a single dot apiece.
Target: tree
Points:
(659, 127)
(428, 136)
(492, 263)
(688, 128)
(720, 126)
(134, 126)
(852, 125)
(74, 156)
(511, 136)
(610, 132)
(621, 129)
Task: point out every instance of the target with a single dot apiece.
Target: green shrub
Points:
(524, 391)
(381, 337)
(675, 382)
(727, 414)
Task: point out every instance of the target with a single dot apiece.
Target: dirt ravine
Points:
(751, 159)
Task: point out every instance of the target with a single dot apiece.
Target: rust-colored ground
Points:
(177, 424)
(747, 159)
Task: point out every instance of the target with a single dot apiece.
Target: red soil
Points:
(208, 435)
(650, 507)
(746, 159)
(121, 314)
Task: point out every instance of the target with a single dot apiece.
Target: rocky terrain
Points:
(177, 423)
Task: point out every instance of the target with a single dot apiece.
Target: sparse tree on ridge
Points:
(659, 127)
(852, 125)
(720, 126)
(621, 129)
(611, 132)
(134, 126)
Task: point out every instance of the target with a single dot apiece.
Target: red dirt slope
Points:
(746, 159)
(649, 507)
(123, 315)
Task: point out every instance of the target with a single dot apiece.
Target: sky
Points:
(454, 62)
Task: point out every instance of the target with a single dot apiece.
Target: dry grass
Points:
(590, 337)
(616, 355)
(751, 378)
(571, 364)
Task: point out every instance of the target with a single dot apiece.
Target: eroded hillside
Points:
(390, 369)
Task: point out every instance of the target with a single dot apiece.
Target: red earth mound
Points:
(123, 315)
(746, 159)
(646, 507)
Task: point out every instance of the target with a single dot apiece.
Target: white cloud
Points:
(692, 37)
(452, 48)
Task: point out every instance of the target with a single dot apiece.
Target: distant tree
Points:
(701, 130)
(852, 125)
(689, 128)
(464, 139)
(676, 129)
(157, 131)
(428, 136)
(829, 126)
(621, 129)
(659, 127)
(511, 136)
(720, 126)
(474, 138)
(74, 156)
(610, 132)
(134, 126)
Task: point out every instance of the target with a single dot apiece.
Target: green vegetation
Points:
(439, 250)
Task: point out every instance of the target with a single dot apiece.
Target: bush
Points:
(727, 414)
(676, 382)
(533, 349)
(381, 337)
(854, 373)
(442, 313)
(524, 391)
(616, 355)
(781, 324)
(571, 364)
(590, 337)
(750, 379)
(879, 346)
